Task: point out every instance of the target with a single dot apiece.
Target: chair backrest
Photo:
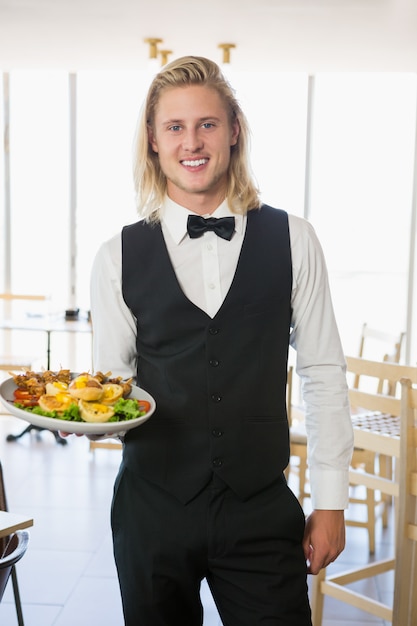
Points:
(380, 345)
(14, 551)
(405, 588)
(375, 371)
(376, 416)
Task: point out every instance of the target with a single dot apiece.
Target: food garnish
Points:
(112, 392)
(87, 397)
(95, 412)
(86, 387)
(58, 402)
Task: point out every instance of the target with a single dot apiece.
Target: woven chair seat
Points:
(380, 423)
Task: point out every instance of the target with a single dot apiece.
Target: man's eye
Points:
(208, 125)
(176, 127)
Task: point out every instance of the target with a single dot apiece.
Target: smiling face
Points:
(192, 135)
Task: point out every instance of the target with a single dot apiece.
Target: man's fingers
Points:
(316, 561)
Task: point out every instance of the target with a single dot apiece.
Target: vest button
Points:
(213, 331)
(216, 433)
(216, 398)
(217, 462)
(214, 362)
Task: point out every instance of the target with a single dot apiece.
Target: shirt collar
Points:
(174, 218)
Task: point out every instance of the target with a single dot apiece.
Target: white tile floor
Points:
(67, 576)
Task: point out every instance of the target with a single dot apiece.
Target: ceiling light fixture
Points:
(226, 47)
(164, 56)
(153, 46)
(153, 63)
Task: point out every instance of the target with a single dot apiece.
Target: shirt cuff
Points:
(329, 489)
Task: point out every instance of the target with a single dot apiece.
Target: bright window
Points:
(276, 108)
(39, 183)
(108, 105)
(361, 178)
(363, 150)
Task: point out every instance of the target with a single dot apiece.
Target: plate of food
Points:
(78, 403)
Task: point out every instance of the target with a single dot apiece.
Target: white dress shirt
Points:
(205, 268)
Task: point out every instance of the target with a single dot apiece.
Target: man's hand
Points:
(96, 437)
(324, 538)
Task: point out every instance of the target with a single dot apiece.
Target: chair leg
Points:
(36, 429)
(385, 470)
(17, 597)
(370, 509)
(317, 598)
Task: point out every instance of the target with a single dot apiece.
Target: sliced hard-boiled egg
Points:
(111, 393)
(58, 402)
(86, 387)
(95, 411)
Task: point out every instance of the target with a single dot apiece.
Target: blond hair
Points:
(149, 180)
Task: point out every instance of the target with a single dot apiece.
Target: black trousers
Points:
(250, 553)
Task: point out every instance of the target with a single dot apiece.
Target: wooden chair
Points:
(389, 345)
(106, 444)
(405, 585)
(376, 503)
(12, 549)
(376, 342)
(379, 428)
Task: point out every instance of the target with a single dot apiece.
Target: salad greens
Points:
(124, 409)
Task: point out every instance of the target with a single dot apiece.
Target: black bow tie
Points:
(223, 226)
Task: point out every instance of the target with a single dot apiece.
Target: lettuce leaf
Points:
(71, 414)
(126, 409)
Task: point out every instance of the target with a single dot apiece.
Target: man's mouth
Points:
(194, 163)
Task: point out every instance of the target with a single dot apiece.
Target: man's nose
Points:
(192, 140)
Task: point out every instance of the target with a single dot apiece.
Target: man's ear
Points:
(235, 133)
(151, 139)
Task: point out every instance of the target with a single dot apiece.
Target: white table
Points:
(48, 324)
(10, 522)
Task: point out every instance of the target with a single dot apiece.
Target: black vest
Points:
(219, 384)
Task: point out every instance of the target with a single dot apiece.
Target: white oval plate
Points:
(79, 428)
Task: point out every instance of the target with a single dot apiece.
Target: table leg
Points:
(48, 349)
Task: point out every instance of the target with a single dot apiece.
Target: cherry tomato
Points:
(25, 397)
(144, 405)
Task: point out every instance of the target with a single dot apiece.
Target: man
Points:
(203, 321)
